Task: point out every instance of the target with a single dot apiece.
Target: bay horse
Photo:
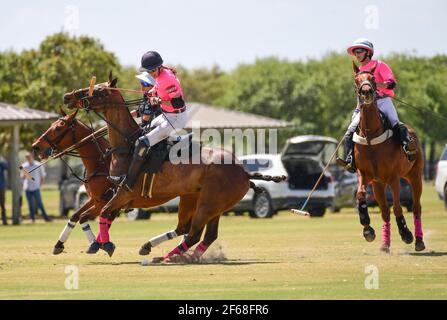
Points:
(64, 133)
(381, 160)
(206, 189)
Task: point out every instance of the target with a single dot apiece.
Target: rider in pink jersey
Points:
(166, 93)
(363, 50)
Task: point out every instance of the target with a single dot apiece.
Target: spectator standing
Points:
(3, 169)
(32, 186)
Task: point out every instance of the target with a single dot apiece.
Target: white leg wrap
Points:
(182, 239)
(67, 230)
(88, 232)
(155, 241)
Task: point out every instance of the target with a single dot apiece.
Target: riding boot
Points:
(349, 163)
(401, 131)
(140, 152)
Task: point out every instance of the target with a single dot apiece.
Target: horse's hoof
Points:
(108, 247)
(145, 249)
(419, 246)
(158, 260)
(406, 236)
(385, 248)
(369, 234)
(58, 249)
(94, 248)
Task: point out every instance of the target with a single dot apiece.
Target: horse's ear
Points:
(373, 69)
(110, 76)
(355, 68)
(113, 83)
(62, 111)
(71, 116)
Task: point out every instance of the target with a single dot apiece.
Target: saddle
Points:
(159, 153)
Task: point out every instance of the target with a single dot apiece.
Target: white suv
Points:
(441, 177)
(302, 162)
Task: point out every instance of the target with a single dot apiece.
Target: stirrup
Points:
(347, 165)
(116, 180)
(411, 154)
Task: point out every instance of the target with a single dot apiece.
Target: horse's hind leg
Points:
(204, 214)
(211, 233)
(380, 196)
(415, 178)
(404, 232)
(71, 223)
(362, 209)
(187, 207)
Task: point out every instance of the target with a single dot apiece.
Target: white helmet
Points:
(146, 77)
(361, 43)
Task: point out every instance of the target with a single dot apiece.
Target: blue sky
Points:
(198, 33)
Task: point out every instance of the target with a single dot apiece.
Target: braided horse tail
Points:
(259, 176)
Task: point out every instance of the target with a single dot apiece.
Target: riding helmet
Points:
(151, 60)
(361, 43)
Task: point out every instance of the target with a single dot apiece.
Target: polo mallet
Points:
(92, 86)
(301, 211)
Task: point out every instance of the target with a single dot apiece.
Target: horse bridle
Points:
(54, 143)
(90, 102)
(358, 90)
(372, 84)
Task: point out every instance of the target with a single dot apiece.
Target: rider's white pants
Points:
(163, 128)
(385, 105)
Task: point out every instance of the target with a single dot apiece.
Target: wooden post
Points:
(16, 186)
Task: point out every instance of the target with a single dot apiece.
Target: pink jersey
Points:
(168, 87)
(383, 73)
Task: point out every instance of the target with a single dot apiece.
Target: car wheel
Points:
(262, 206)
(138, 214)
(317, 211)
(63, 211)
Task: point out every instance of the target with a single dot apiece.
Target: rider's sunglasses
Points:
(145, 84)
(359, 50)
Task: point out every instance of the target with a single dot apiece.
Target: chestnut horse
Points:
(206, 189)
(381, 160)
(62, 134)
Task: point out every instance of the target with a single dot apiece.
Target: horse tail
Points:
(259, 176)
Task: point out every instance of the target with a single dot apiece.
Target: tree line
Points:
(317, 95)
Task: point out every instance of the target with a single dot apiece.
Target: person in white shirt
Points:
(32, 187)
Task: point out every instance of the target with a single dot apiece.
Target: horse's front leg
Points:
(108, 214)
(380, 196)
(362, 208)
(404, 232)
(71, 223)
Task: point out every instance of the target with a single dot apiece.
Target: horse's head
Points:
(365, 85)
(94, 97)
(59, 136)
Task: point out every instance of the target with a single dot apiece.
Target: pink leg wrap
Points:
(200, 250)
(418, 227)
(386, 234)
(103, 230)
(177, 250)
(98, 238)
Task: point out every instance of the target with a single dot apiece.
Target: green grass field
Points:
(287, 257)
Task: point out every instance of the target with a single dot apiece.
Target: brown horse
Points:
(206, 189)
(62, 134)
(381, 160)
